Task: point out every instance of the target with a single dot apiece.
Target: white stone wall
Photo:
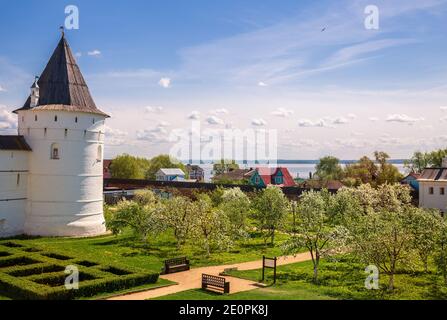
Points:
(435, 200)
(65, 195)
(13, 191)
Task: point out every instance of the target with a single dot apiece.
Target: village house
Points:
(173, 174)
(263, 177)
(433, 188)
(195, 172)
(412, 180)
(233, 176)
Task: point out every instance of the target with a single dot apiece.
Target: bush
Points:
(41, 275)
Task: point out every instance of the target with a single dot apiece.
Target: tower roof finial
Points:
(62, 31)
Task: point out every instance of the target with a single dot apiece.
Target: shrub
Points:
(40, 275)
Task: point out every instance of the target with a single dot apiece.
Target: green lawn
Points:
(125, 249)
(338, 280)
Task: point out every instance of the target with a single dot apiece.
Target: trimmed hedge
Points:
(35, 274)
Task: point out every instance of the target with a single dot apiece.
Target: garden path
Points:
(191, 279)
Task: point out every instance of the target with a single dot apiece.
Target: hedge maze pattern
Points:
(34, 274)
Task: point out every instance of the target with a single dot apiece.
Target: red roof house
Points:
(265, 176)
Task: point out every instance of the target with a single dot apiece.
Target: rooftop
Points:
(14, 143)
(62, 86)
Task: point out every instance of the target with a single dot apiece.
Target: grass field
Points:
(127, 250)
(338, 280)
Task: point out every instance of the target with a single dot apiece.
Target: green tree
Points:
(269, 209)
(329, 168)
(128, 167)
(211, 227)
(316, 231)
(425, 226)
(384, 239)
(441, 250)
(224, 166)
(387, 173)
(143, 220)
(179, 216)
(361, 172)
(418, 162)
(160, 162)
(236, 205)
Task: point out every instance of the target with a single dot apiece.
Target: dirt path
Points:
(191, 279)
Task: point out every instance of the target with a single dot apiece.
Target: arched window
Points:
(55, 118)
(35, 117)
(93, 120)
(55, 151)
(18, 179)
(99, 154)
(76, 119)
(66, 133)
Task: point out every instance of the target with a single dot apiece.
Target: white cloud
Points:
(219, 111)
(94, 53)
(152, 109)
(374, 119)
(194, 115)
(165, 82)
(340, 120)
(258, 122)
(262, 84)
(2, 89)
(115, 137)
(163, 124)
(443, 108)
(156, 135)
(443, 119)
(352, 116)
(213, 120)
(306, 123)
(7, 119)
(403, 118)
(282, 112)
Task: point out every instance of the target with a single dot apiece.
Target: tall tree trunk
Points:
(316, 265)
(273, 236)
(392, 271)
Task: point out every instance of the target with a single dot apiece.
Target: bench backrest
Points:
(176, 261)
(214, 281)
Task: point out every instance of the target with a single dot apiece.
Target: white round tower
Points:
(65, 130)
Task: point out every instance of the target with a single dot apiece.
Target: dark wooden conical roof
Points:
(62, 86)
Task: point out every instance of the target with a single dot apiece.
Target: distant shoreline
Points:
(291, 161)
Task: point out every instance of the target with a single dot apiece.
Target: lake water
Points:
(301, 170)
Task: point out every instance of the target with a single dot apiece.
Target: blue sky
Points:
(346, 91)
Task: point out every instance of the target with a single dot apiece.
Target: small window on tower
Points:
(18, 179)
(76, 119)
(23, 119)
(35, 117)
(55, 118)
(93, 120)
(66, 133)
(99, 154)
(55, 152)
(45, 132)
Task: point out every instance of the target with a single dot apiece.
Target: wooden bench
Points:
(176, 265)
(215, 283)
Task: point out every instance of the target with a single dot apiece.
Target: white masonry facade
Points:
(51, 173)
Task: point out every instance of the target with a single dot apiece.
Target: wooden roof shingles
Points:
(62, 86)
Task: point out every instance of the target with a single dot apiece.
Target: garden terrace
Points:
(32, 273)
